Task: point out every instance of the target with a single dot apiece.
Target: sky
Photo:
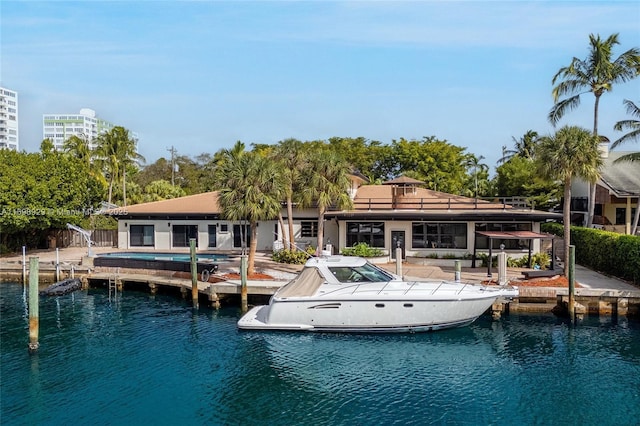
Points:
(201, 75)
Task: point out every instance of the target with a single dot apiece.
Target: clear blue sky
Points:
(201, 75)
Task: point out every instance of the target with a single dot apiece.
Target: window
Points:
(212, 236)
(309, 229)
(241, 234)
(621, 215)
(183, 233)
(371, 233)
(439, 235)
(141, 236)
(483, 242)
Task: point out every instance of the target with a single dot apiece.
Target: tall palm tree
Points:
(290, 153)
(633, 126)
(478, 169)
(596, 74)
(571, 152)
(326, 185)
(250, 188)
(115, 151)
(524, 147)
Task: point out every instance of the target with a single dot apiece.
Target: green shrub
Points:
(609, 252)
(297, 257)
(362, 250)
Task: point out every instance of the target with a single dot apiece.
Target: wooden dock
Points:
(213, 292)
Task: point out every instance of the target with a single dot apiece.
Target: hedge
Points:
(608, 252)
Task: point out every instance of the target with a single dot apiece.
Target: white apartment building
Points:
(9, 137)
(85, 125)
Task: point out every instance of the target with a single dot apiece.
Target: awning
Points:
(514, 235)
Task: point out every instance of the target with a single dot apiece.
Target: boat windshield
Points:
(364, 273)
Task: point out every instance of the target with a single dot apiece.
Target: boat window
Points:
(364, 273)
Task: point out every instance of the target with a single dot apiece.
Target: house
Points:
(617, 193)
(396, 214)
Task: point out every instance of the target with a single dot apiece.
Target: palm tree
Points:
(596, 74)
(479, 169)
(250, 188)
(633, 135)
(571, 152)
(524, 147)
(326, 185)
(115, 151)
(290, 154)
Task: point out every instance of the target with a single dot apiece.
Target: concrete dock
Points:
(595, 293)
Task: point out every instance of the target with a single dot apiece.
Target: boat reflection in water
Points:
(349, 294)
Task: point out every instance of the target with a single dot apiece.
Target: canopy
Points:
(515, 235)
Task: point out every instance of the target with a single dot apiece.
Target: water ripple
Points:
(154, 360)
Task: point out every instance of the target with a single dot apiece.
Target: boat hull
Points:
(381, 316)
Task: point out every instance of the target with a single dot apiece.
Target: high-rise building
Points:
(85, 125)
(9, 137)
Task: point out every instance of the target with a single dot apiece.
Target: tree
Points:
(326, 184)
(479, 176)
(633, 126)
(115, 151)
(571, 152)
(250, 188)
(40, 192)
(524, 147)
(438, 163)
(518, 177)
(290, 154)
(596, 74)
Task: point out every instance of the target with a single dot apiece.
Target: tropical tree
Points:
(479, 176)
(438, 163)
(633, 134)
(290, 155)
(524, 147)
(571, 152)
(326, 184)
(596, 74)
(115, 151)
(633, 127)
(250, 188)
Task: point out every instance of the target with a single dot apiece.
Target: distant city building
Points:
(85, 125)
(9, 137)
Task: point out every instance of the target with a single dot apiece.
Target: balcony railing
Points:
(452, 203)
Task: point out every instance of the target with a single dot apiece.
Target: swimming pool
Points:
(176, 257)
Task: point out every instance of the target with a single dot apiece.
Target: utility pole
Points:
(173, 166)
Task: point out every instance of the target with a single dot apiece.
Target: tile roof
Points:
(622, 179)
(200, 204)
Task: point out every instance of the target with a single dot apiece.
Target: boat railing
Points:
(462, 288)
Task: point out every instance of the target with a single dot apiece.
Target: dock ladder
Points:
(114, 285)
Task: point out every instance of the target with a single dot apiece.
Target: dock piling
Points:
(571, 277)
(34, 318)
(194, 273)
(24, 265)
(243, 282)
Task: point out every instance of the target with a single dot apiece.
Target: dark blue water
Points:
(147, 360)
(177, 257)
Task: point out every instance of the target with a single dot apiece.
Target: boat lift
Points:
(86, 234)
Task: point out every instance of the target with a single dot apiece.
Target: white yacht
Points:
(349, 294)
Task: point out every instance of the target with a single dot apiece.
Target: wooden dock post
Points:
(24, 265)
(194, 273)
(243, 283)
(34, 318)
(571, 277)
